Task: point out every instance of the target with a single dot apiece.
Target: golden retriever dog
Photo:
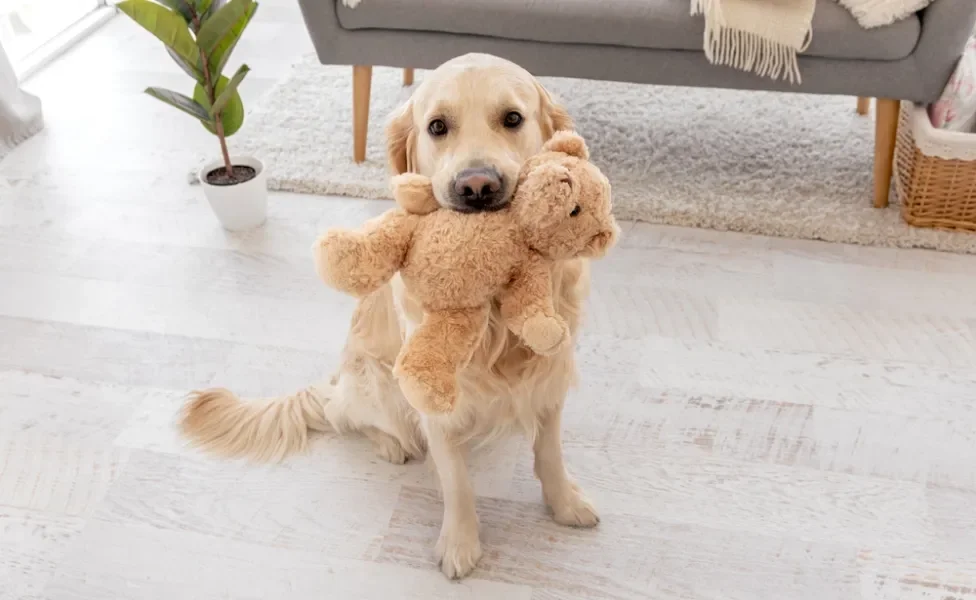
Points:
(468, 126)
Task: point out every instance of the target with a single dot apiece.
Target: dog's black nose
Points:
(478, 188)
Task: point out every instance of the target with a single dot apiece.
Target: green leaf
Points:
(220, 24)
(229, 91)
(177, 100)
(218, 58)
(202, 7)
(189, 69)
(232, 115)
(168, 26)
(180, 6)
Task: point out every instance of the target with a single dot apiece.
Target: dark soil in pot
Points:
(239, 174)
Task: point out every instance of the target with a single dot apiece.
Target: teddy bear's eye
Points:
(576, 211)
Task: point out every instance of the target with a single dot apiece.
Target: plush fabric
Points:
(955, 110)
(455, 263)
(879, 13)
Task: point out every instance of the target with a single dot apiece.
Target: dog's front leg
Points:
(568, 503)
(459, 547)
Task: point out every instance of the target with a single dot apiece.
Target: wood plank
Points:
(172, 310)
(284, 506)
(626, 556)
(252, 269)
(254, 371)
(31, 545)
(55, 473)
(938, 452)
(916, 576)
(930, 339)
(849, 382)
(110, 355)
(171, 213)
(82, 411)
(875, 288)
(687, 488)
(683, 271)
(121, 562)
(778, 251)
(636, 311)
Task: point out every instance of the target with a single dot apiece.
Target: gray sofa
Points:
(642, 41)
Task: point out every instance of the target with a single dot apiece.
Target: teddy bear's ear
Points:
(414, 193)
(568, 142)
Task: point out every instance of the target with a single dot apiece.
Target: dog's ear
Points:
(568, 142)
(553, 117)
(401, 140)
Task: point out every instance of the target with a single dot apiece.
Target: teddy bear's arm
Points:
(526, 305)
(360, 262)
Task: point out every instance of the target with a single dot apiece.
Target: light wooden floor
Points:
(757, 418)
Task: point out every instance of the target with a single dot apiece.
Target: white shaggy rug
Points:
(786, 165)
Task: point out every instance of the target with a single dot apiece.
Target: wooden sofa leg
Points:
(362, 78)
(863, 105)
(885, 129)
(408, 77)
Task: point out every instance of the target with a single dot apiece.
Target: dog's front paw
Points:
(458, 551)
(573, 509)
(545, 335)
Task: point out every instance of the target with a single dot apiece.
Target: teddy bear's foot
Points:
(428, 394)
(544, 334)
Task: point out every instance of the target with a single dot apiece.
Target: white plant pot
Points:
(240, 206)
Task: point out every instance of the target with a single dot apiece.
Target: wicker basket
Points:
(935, 172)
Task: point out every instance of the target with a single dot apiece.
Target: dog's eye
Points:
(437, 128)
(576, 211)
(513, 120)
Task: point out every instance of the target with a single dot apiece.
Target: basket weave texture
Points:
(935, 173)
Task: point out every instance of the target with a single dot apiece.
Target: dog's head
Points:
(469, 127)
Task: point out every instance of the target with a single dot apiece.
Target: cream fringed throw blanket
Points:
(765, 36)
(762, 36)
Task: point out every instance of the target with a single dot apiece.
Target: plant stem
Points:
(223, 148)
(211, 89)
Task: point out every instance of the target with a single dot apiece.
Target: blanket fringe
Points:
(745, 50)
(750, 52)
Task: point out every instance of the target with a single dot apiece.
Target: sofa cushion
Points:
(657, 24)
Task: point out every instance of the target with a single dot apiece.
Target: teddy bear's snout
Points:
(601, 243)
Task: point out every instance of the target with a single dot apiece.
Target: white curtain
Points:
(20, 112)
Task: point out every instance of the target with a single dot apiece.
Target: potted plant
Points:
(200, 36)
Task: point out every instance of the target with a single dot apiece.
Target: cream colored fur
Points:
(506, 388)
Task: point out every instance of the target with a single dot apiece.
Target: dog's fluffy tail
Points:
(268, 430)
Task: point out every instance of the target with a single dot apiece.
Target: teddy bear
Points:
(455, 263)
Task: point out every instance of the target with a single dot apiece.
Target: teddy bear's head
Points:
(563, 201)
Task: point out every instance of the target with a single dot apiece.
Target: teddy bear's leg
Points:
(359, 262)
(429, 361)
(526, 305)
